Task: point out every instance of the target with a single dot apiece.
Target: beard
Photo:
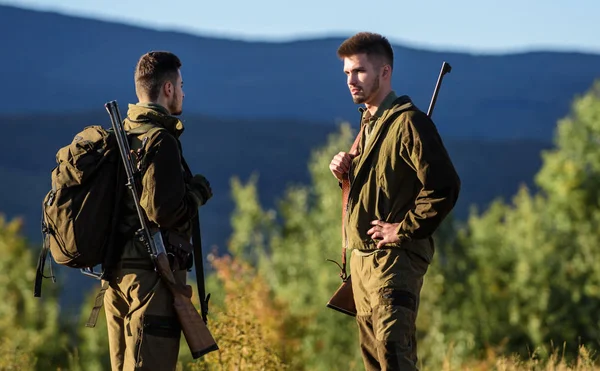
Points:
(176, 112)
(366, 95)
(176, 105)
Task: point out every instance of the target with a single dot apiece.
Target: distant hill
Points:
(56, 63)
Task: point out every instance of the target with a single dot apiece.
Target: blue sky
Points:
(479, 26)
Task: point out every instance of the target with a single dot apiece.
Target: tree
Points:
(526, 275)
(33, 336)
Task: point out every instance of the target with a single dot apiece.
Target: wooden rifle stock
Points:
(343, 298)
(198, 337)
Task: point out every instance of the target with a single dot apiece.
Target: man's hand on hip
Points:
(340, 165)
(385, 232)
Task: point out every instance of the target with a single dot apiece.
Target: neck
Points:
(159, 101)
(373, 104)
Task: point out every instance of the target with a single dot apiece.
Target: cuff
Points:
(196, 197)
(402, 235)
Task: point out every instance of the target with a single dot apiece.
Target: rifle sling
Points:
(199, 267)
(198, 263)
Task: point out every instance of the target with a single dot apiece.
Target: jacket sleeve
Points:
(165, 198)
(422, 148)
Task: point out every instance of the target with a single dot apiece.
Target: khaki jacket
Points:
(402, 174)
(164, 196)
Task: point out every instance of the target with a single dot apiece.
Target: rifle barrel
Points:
(446, 68)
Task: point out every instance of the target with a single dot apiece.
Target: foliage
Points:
(29, 326)
(585, 361)
(90, 351)
(524, 275)
(253, 330)
(291, 246)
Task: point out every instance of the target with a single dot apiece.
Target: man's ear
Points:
(168, 88)
(387, 71)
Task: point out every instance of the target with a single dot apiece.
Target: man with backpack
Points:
(143, 329)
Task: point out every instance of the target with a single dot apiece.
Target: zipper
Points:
(380, 207)
(350, 183)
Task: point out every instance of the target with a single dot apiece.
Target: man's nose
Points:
(352, 79)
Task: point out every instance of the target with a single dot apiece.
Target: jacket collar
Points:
(144, 113)
(385, 105)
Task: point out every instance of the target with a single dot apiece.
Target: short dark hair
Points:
(369, 43)
(153, 70)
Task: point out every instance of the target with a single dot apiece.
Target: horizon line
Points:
(303, 37)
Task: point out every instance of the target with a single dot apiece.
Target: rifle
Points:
(343, 298)
(197, 335)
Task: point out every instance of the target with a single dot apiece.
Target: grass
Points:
(585, 361)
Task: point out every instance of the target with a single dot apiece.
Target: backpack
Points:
(80, 212)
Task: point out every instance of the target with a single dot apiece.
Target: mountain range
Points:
(58, 63)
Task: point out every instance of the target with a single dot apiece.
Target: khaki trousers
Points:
(143, 329)
(387, 286)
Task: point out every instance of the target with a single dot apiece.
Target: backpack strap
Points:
(41, 264)
(98, 302)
